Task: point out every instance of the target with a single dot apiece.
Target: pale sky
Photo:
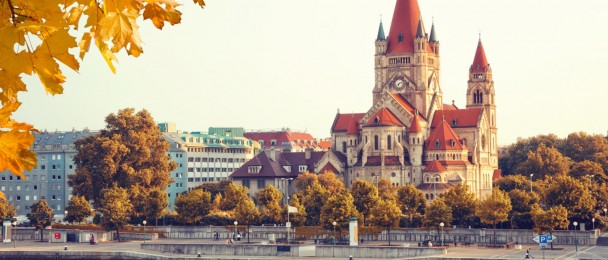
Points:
(268, 64)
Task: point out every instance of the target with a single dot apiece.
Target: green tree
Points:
(545, 161)
(512, 182)
(78, 209)
(233, 195)
(7, 210)
(437, 212)
(365, 195)
(547, 221)
(193, 206)
(340, 208)
(522, 203)
(385, 213)
(305, 179)
(115, 209)
(462, 202)
(517, 153)
(41, 216)
(494, 209)
(269, 200)
(411, 201)
(246, 213)
(129, 153)
(313, 199)
(296, 219)
(572, 194)
(331, 182)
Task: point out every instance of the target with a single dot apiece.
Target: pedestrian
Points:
(92, 240)
(528, 254)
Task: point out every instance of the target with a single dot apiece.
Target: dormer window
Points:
(452, 143)
(376, 120)
(454, 122)
(437, 144)
(273, 142)
(287, 168)
(254, 169)
(302, 168)
(400, 39)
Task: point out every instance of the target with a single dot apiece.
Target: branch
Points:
(12, 8)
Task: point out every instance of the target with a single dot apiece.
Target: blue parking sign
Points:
(542, 239)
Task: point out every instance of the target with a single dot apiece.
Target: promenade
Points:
(132, 250)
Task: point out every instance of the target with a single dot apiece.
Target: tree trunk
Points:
(41, 234)
(118, 235)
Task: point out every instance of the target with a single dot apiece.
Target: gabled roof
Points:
(404, 25)
(444, 138)
(449, 107)
(274, 168)
(480, 62)
(434, 186)
(384, 117)
(305, 140)
(435, 166)
(469, 117)
(343, 121)
(404, 103)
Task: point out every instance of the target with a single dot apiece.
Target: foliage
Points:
(78, 209)
(570, 193)
(588, 169)
(582, 146)
(340, 208)
(331, 182)
(437, 212)
(512, 182)
(462, 202)
(115, 209)
(37, 36)
(217, 203)
(217, 218)
(545, 161)
(411, 200)
(215, 188)
(305, 179)
(156, 203)
(546, 221)
(386, 190)
(308, 232)
(495, 208)
(517, 153)
(365, 196)
(385, 214)
(192, 206)
(130, 153)
(233, 195)
(269, 200)
(313, 199)
(296, 219)
(246, 213)
(522, 203)
(7, 210)
(41, 216)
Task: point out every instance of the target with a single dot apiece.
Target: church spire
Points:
(433, 36)
(381, 36)
(480, 62)
(403, 27)
(420, 30)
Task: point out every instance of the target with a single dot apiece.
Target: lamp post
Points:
(13, 224)
(441, 225)
(575, 236)
(65, 216)
(235, 224)
(531, 181)
(605, 211)
(334, 224)
(144, 222)
(288, 224)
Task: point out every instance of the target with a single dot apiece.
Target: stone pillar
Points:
(353, 231)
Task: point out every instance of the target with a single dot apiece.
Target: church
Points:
(409, 135)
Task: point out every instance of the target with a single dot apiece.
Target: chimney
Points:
(307, 153)
(272, 154)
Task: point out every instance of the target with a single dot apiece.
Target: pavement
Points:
(472, 252)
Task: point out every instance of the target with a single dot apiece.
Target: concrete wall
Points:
(206, 232)
(376, 251)
(220, 249)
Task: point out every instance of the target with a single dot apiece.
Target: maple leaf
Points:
(14, 152)
(57, 46)
(200, 2)
(6, 111)
(11, 84)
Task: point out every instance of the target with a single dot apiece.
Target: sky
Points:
(271, 64)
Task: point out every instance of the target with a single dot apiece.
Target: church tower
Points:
(480, 94)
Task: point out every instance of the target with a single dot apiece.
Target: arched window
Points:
(400, 39)
(452, 143)
(344, 147)
(436, 179)
(375, 142)
(483, 142)
(437, 157)
(454, 122)
(432, 196)
(388, 141)
(376, 120)
(366, 139)
(351, 141)
(426, 195)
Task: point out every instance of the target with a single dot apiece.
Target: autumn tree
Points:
(38, 36)
(385, 213)
(494, 209)
(411, 201)
(436, 213)
(215, 188)
(570, 193)
(7, 210)
(330, 181)
(545, 161)
(78, 210)
(192, 206)
(305, 179)
(386, 190)
(155, 205)
(233, 195)
(365, 196)
(269, 200)
(522, 203)
(512, 182)
(129, 153)
(588, 169)
(313, 199)
(340, 208)
(246, 214)
(547, 221)
(462, 202)
(115, 209)
(299, 218)
(581, 146)
(41, 216)
(517, 153)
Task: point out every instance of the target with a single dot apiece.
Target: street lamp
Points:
(593, 221)
(235, 223)
(441, 225)
(334, 224)
(288, 224)
(531, 181)
(575, 236)
(144, 222)
(14, 223)
(605, 210)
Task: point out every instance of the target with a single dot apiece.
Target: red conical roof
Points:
(480, 63)
(435, 166)
(415, 127)
(352, 127)
(384, 117)
(405, 22)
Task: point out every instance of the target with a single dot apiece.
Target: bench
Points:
(510, 245)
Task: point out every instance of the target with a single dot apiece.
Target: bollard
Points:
(350, 258)
(65, 248)
(198, 255)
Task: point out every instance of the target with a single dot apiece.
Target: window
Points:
(261, 184)
(246, 183)
(437, 144)
(393, 174)
(273, 142)
(27, 197)
(254, 169)
(375, 142)
(302, 168)
(70, 166)
(454, 122)
(343, 147)
(388, 142)
(43, 167)
(35, 197)
(400, 38)
(18, 197)
(2, 188)
(452, 143)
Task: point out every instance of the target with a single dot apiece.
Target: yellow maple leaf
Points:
(14, 152)
(51, 78)
(200, 2)
(84, 44)
(11, 84)
(57, 46)
(6, 111)
(107, 55)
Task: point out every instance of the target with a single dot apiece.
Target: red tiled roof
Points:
(449, 107)
(463, 162)
(415, 127)
(497, 175)
(373, 161)
(434, 186)
(325, 145)
(403, 102)
(301, 139)
(464, 117)
(384, 117)
(480, 62)
(405, 22)
(445, 136)
(353, 128)
(329, 167)
(391, 160)
(343, 121)
(435, 166)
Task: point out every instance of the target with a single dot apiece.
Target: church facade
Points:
(409, 136)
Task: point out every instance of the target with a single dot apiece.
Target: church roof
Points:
(458, 117)
(434, 186)
(342, 122)
(384, 117)
(444, 138)
(415, 127)
(433, 36)
(381, 36)
(480, 62)
(435, 166)
(403, 27)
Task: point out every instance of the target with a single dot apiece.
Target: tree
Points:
(462, 202)
(78, 209)
(582, 146)
(517, 153)
(215, 188)
(193, 206)
(296, 219)
(512, 182)
(588, 169)
(545, 161)
(37, 44)
(411, 200)
(269, 200)
(305, 179)
(233, 195)
(547, 221)
(41, 216)
(386, 190)
(115, 209)
(156, 203)
(130, 153)
(522, 203)
(340, 208)
(494, 209)
(385, 214)
(437, 212)
(246, 213)
(7, 210)
(331, 182)
(313, 199)
(572, 194)
(365, 196)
